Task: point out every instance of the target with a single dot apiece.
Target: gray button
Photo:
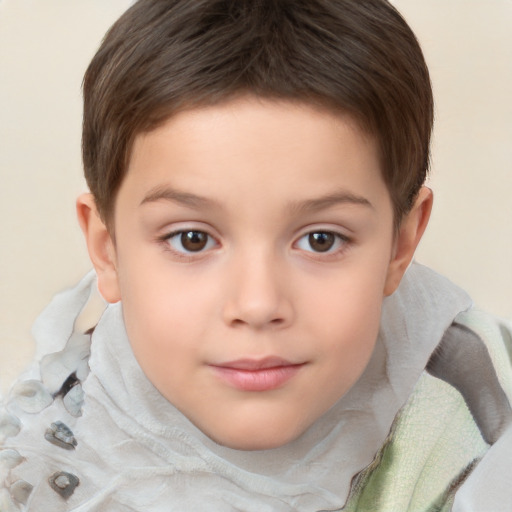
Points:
(61, 435)
(64, 483)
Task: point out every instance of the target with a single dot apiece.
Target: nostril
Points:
(237, 322)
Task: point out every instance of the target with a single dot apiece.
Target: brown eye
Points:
(190, 242)
(321, 241)
(194, 241)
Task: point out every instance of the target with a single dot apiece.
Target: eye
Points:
(321, 241)
(190, 241)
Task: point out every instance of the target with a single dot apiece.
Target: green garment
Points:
(434, 442)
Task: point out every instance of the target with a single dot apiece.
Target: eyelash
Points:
(340, 243)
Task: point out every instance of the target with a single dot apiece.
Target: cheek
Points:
(347, 320)
(165, 313)
(349, 300)
(353, 332)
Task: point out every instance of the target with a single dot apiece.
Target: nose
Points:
(258, 295)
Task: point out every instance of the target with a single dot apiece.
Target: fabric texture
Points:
(401, 439)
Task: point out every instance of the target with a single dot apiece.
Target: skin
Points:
(255, 181)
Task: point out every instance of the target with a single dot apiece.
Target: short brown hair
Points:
(162, 56)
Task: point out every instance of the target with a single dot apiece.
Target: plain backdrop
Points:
(45, 46)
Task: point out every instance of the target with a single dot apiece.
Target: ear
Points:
(101, 247)
(407, 239)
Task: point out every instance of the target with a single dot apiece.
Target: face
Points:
(253, 248)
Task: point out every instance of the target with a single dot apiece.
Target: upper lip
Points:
(256, 364)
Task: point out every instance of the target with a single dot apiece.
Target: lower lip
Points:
(264, 379)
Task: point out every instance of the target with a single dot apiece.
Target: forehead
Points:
(251, 122)
(270, 148)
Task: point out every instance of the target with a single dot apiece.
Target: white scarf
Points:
(136, 452)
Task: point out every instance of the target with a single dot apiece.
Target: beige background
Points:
(45, 46)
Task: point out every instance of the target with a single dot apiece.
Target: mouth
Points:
(257, 374)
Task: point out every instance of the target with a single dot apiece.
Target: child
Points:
(256, 172)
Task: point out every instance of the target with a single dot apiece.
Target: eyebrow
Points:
(159, 193)
(333, 199)
(190, 200)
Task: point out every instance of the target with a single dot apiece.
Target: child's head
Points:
(260, 165)
(355, 57)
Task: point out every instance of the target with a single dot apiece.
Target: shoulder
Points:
(451, 443)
